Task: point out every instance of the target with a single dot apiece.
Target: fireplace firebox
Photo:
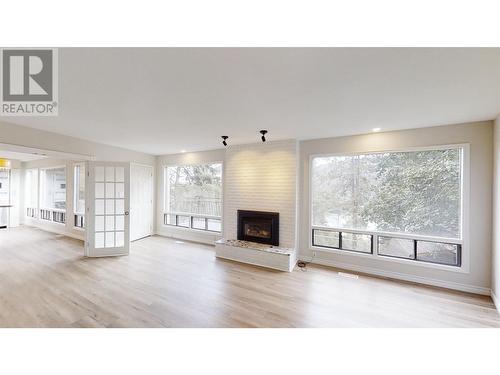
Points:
(258, 226)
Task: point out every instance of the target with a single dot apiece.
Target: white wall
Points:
(262, 177)
(28, 137)
(479, 136)
(495, 257)
(14, 164)
(202, 157)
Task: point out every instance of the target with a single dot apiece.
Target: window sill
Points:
(381, 258)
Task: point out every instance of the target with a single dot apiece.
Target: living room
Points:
(395, 203)
(205, 186)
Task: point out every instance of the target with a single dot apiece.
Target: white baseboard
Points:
(496, 301)
(400, 276)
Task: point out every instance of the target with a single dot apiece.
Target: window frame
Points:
(36, 208)
(78, 217)
(41, 191)
(9, 181)
(463, 242)
(76, 179)
(340, 246)
(165, 194)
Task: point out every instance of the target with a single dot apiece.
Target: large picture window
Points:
(409, 203)
(193, 196)
(53, 194)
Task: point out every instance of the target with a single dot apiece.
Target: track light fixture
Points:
(263, 132)
(224, 137)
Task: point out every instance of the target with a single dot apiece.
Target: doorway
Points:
(141, 201)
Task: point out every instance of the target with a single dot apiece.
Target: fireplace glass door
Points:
(258, 226)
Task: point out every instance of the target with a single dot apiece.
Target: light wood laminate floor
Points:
(46, 282)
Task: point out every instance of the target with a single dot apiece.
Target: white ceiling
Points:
(11, 155)
(164, 100)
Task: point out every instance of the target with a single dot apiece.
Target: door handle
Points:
(126, 213)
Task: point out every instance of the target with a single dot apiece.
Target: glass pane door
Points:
(107, 194)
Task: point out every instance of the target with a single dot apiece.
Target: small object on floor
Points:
(302, 265)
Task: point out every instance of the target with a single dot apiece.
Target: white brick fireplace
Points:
(262, 177)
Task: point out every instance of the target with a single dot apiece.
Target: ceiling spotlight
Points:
(183, 151)
(224, 137)
(263, 132)
(375, 130)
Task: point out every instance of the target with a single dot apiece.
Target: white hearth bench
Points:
(278, 258)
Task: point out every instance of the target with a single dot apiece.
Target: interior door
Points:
(141, 201)
(107, 219)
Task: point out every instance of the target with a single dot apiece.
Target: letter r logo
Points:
(27, 75)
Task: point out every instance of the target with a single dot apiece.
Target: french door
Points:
(107, 200)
